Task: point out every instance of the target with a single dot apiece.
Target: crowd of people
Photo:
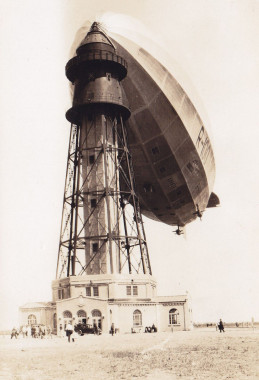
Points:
(150, 329)
(33, 331)
(42, 331)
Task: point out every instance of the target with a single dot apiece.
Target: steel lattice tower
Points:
(102, 229)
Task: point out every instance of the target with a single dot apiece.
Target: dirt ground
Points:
(198, 354)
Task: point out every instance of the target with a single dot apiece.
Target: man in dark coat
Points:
(221, 326)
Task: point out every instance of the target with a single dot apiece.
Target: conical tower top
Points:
(96, 71)
(95, 38)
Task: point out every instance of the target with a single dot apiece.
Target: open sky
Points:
(212, 48)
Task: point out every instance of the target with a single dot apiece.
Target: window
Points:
(67, 314)
(32, 319)
(173, 314)
(91, 159)
(137, 318)
(96, 313)
(93, 203)
(148, 188)
(95, 247)
(55, 321)
(171, 183)
(128, 289)
(190, 167)
(131, 290)
(61, 294)
(81, 314)
(89, 292)
(155, 150)
(97, 318)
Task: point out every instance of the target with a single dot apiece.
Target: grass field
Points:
(198, 354)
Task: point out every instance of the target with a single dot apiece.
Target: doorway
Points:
(97, 318)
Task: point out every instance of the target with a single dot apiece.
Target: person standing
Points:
(28, 331)
(37, 332)
(112, 329)
(95, 329)
(14, 333)
(24, 331)
(221, 326)
(69, 331)
(49, 332)
(42, 331)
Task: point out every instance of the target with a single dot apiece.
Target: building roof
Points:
(34, 305)
(176, 298)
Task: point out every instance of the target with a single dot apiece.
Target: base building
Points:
(130, 304)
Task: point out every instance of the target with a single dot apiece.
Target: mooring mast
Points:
(102, 229)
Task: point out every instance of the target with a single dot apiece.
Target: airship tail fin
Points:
(213, 200)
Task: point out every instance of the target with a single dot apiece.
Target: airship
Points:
(172, 154)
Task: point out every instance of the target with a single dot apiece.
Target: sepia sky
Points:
(212, 48)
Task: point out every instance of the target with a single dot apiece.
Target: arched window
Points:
(32, 320)
(81, 314)
(96, 313)
(55, 321)
(67, 314)
(173, 314)
(97, 318)
(137, 318)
